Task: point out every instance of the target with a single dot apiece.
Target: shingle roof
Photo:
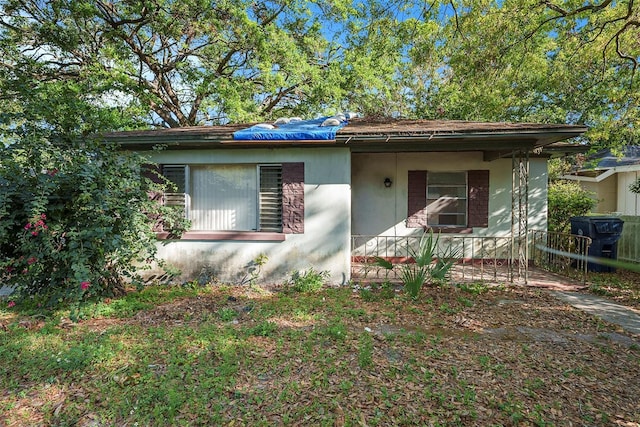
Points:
(373, 134)
(366, 127)
(605, 159)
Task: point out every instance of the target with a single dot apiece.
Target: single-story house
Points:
(609, 176)
(307, 200)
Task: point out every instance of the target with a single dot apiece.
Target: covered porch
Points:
(555, 260)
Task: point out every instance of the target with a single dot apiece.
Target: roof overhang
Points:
(599, 174)
(495, 140)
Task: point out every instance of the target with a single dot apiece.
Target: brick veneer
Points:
(478, 198)
(417, 199)
(293, 198)
(152, 172)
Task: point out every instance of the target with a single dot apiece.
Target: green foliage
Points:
(413, 277)
(476, 288)
(378, 291)
(635, 186)
(365, 350)
(73, 218)
(227, 314)
(559, 166)
(309, 280)
(263, 329)
(233, 61)
(245, 61)
(336, 330)
(567, 199)
(431, 262)
(254, 269)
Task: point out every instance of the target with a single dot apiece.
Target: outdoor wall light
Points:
(387, 182)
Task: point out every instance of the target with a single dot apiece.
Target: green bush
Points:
(308, 281)
(74, 218)
(567, 199)
(432, 263)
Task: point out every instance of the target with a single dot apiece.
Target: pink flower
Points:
(34, 233)
(85, 285)
(28, 226)
(32, 260)
(43, 216)
(11, 304)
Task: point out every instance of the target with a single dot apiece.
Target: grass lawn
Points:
(230, 355)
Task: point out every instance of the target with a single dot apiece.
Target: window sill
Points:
(458, 230)
(226, 235)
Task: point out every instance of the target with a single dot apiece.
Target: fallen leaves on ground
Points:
(504, 356)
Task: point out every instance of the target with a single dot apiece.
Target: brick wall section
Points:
(417, 199)
(293, 198)
(478, 198)
(152, 172)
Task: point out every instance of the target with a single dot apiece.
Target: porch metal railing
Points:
(561, 253)
(479, 258)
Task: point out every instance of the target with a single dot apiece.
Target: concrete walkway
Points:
(568, 290)
(625, 317)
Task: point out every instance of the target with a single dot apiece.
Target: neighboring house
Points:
(301, 201)
(609, 176)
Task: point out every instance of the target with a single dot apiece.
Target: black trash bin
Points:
(605, 233)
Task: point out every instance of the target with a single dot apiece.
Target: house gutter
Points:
(520, 139)
(609, 172)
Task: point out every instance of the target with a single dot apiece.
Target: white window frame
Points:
(259, 166)
(465, 221)
(187, 186)
(187, 190)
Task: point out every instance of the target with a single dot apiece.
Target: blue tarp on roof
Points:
(301, 130)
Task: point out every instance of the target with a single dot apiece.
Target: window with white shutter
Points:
(270, 198)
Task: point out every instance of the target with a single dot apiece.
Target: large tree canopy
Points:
(188, 62)
(544, 61)
(118, 64)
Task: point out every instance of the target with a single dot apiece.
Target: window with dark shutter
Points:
(448, 199)
(417, 199)
(478, 198)
(176, 175)
(270, 198)
(242, 197)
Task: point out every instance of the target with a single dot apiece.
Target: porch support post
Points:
(519, 262)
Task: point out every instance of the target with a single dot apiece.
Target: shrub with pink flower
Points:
(37, 225)
(79, 234)
(11, 304)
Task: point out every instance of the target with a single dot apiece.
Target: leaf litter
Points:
(507, 356)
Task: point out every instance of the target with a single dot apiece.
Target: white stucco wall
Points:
(628, 202)
(378, 210)
(605, 193)
(325, 244)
